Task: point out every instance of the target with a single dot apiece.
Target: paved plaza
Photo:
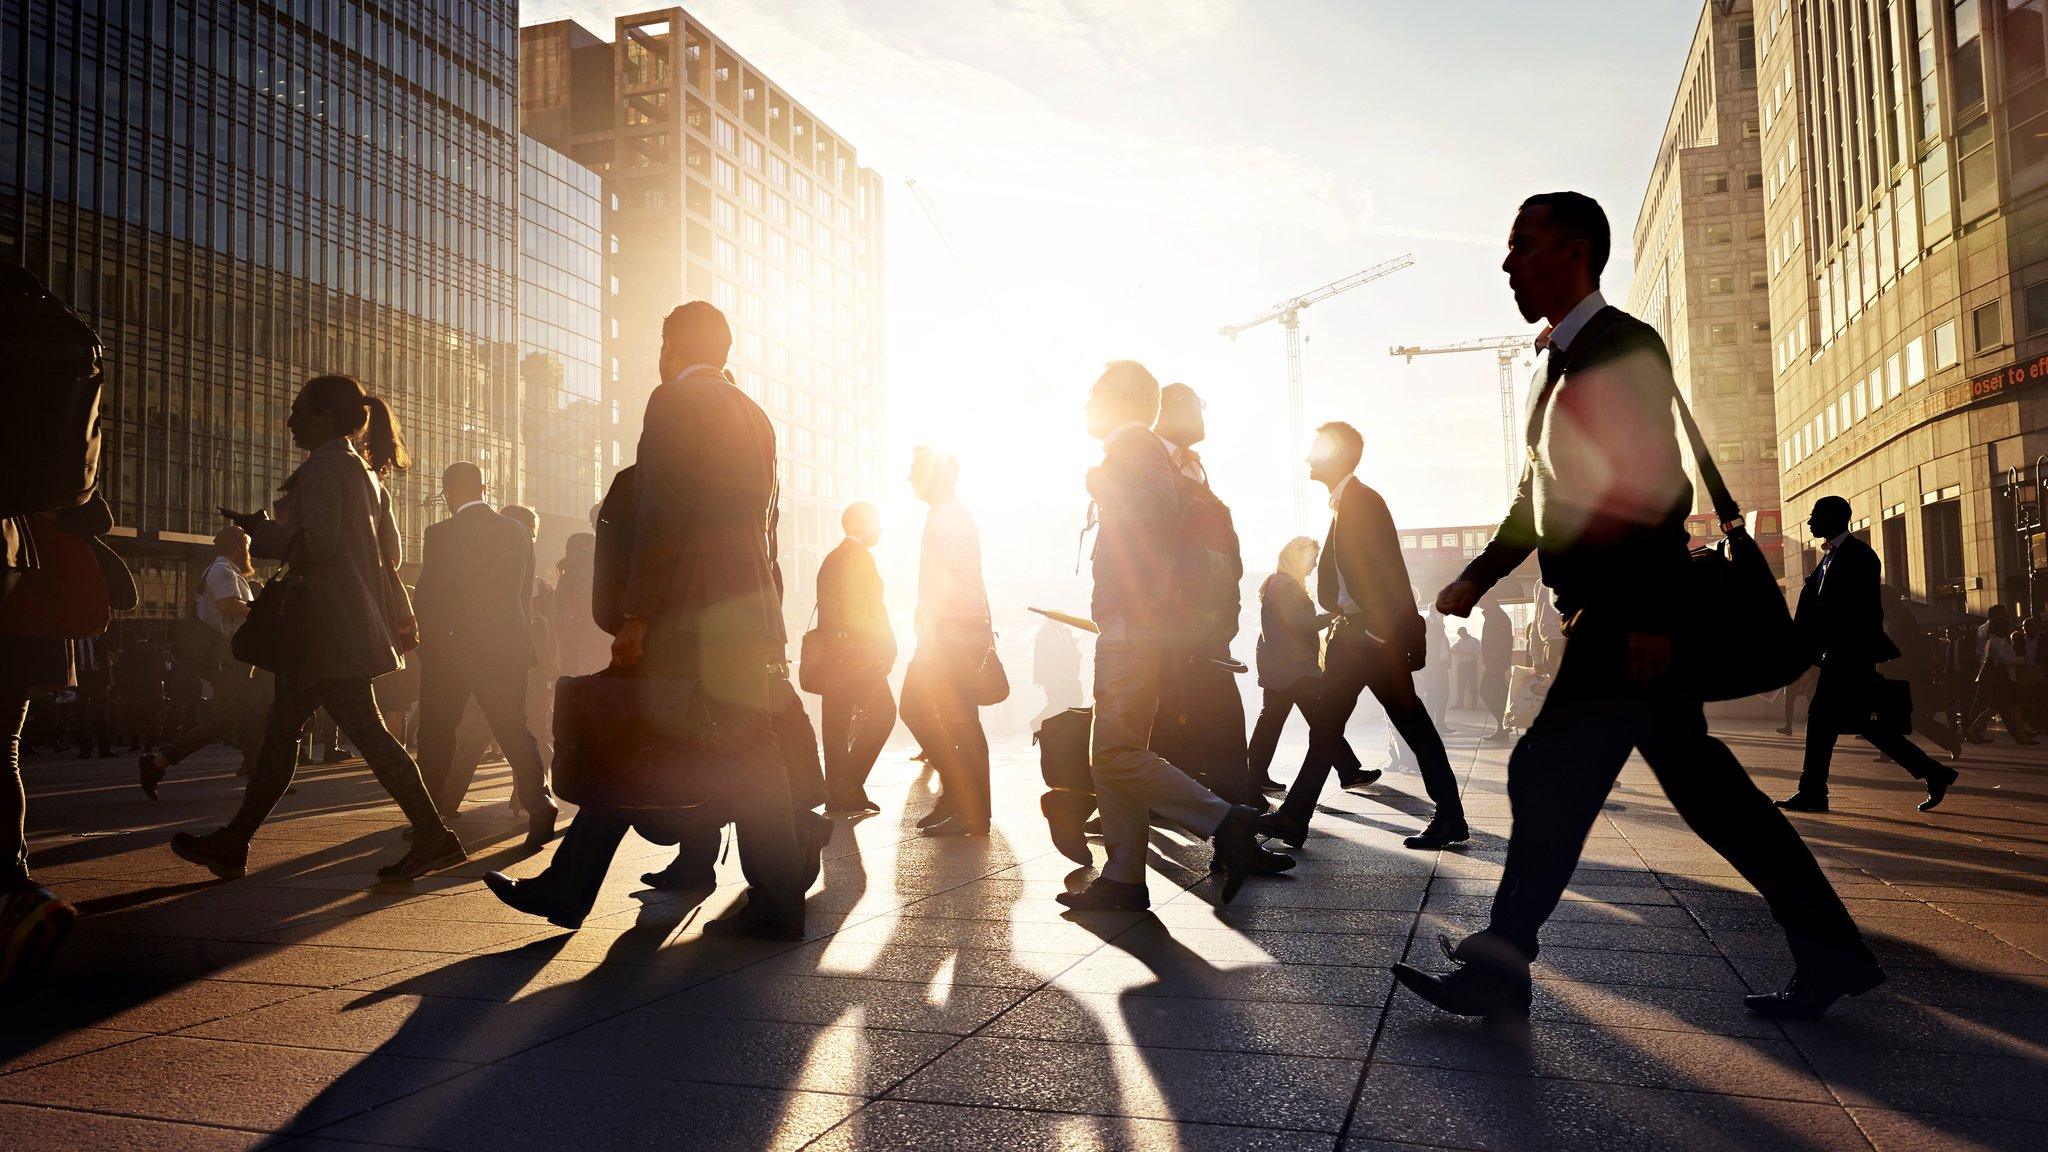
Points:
(942, 1000)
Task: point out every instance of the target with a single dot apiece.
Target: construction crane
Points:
(1288, 313)
(1507, 349)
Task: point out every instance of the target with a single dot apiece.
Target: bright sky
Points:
(1125, 176)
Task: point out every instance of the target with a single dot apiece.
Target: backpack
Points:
(51, 439)
(1208, 569)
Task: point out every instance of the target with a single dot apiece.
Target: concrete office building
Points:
(240, 196)
(1905, 160)
(729, 190)
(562, 298)
(1699, 262)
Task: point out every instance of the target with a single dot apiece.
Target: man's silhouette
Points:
(700, 603)
(1201, 724)
(858, 711)
(474, 600)
(1374, 647)
(1841, 619)
(954, 635)
(1496, 665)
(1603, 503)
(1136, 578)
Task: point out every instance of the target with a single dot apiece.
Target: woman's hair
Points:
(368, 419)
(1296, 556)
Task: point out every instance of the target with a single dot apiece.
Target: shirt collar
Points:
(479, 502)
(1121, 430)
(1337, 493)
(1830, 545)
(693, 369)
(1562, 334)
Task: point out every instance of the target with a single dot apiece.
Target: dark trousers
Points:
(1200, 728)
(799, 744)
(1276, 705)
(354, 711)
(756, 796)
(1566, 763)
(92, 720)
(1354, 663)
(240, 703)
(940, 711)
(857, 720)
(13, 797)
(446, 685)
(1840, 708)
(142, 713)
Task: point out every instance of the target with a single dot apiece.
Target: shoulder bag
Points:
(271, 636)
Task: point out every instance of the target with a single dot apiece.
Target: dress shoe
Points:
(1439, 835)
(1066, 813)
(850, 802)
(1938, 786)
(1268, 784)
(1280, 826)
(1801, 802)
(954, 826)
(1468, 990)
(940, 813)
(33, 925)
(2022, 741)
(1808, 996)
(540, 824)
(678, 877)
(153, 769)
(1106, 895)
(1785, 731)
(527, 896)
(219, 852)
(1237, 846)
(1501, 737)
(813, 835)
(426, 855)
(747, 924)
(1093, 825)
(1363, 778)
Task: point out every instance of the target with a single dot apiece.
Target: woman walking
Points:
(1290, 658)
(348, 622)
(1996, 691)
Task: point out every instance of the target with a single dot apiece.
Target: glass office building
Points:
(239, 196)
(561, 341)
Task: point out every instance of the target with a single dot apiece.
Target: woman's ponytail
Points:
(385, 442)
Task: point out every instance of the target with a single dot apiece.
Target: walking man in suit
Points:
(1603, 503)
(475, 602)
(1135, 578)
(1376, 646)
(858, 711)
(700, 602)
(1841, 619)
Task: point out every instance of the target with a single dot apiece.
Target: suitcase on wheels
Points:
(634, 742)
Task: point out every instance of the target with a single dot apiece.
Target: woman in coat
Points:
(349, 622)
(1290, 657)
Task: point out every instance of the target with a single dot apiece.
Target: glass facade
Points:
(561, 340)
(239, 196)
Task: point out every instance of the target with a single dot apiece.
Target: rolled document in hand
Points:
(1087, 625)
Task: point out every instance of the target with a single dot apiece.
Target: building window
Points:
(1720, 285)
(1987, 326)
(1891, 377)
(1966, 65)
(1720, 233)
(1749, 130)
(1758, 281)
(1726, 384)
(1759, 329)
(1945, 346)
(1717, 182)
(1720, 334)
(1728, 452)
(1753, 181)
(1976, 167)
(1916, 361)
(2037, 308)
(1935, 209)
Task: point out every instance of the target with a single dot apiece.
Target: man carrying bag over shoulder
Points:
(1603, 504)
(699, 611)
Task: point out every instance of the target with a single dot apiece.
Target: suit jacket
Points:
(1603, 500)
(1840, 617)
(700, 567)
(335, 527)
(474, 598)
(1364, 549)
(1138, 506)
(850, 601)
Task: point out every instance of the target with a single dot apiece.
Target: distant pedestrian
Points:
(241, 694)
(1290, 656)
(1465, 670)
(859, 712)
(955, 638)
(1496, 666)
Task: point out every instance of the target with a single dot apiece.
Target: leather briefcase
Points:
(634, 742)
(1063, 751)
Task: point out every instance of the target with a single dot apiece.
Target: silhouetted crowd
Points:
(646, 676)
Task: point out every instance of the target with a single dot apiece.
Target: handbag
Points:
(271, 636)
(624, 741)
(822, 657)
(990, 683)
(1738, 639)
(64, 597)
(199, 646)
